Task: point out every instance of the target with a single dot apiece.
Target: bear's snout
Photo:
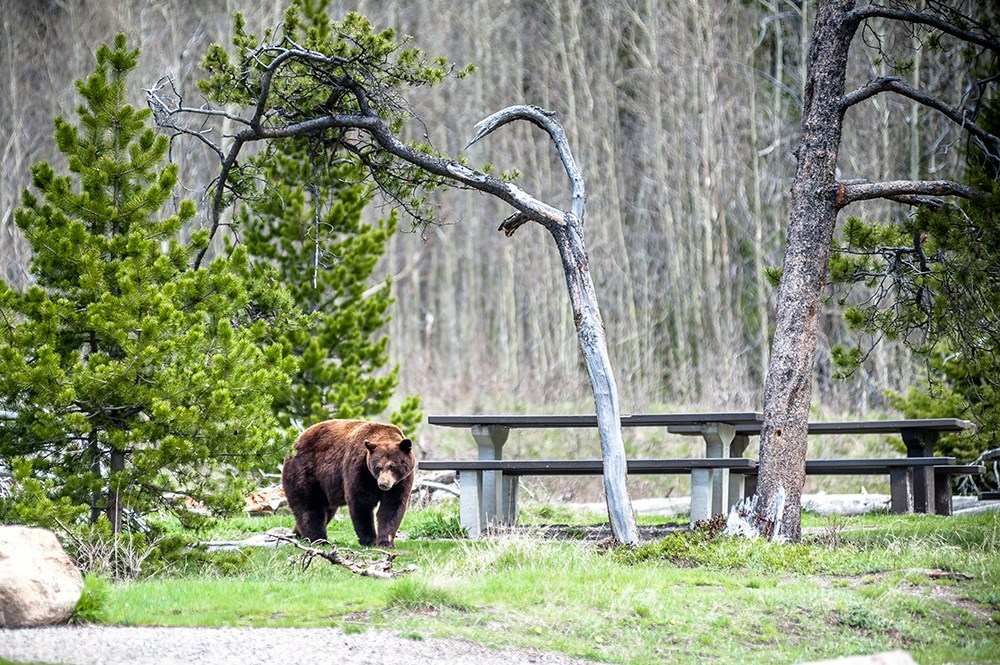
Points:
(386, 480)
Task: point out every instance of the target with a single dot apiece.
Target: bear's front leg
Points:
(363, 518)
(390, 514)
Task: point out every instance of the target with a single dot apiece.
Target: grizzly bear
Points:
(351, 463)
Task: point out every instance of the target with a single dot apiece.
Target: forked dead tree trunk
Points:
(568, 236)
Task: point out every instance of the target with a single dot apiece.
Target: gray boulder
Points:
(39, 584)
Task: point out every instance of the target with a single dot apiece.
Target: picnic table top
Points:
(858, 426)
(745, 422)
(590, 420)
(589, 466)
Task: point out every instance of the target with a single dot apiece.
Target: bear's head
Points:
(389, 460)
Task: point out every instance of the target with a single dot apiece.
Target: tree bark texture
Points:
(814, 205)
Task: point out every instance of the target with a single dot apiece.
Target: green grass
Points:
(929, 585)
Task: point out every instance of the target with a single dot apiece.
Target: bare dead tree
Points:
(350, 103)
(816, 198)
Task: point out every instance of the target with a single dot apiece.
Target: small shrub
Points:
(116, 556)
(91, 608)
(861, 618)
(434, 524)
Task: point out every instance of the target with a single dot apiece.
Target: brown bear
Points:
(351, 463)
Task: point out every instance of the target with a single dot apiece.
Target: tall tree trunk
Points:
(115, 489)
(814, 205)
(94, 451)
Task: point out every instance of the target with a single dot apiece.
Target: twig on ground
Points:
(380, 568)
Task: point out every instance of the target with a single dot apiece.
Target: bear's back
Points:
(344, 439)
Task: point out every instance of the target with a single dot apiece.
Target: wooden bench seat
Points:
(901, 471)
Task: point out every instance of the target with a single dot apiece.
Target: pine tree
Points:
(308, 226)
(131, 381)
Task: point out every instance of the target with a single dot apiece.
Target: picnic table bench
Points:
(919, 435)
(489, 484)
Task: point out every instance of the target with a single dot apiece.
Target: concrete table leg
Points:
(737, 481)
(942, 494)
(492, 505)
(701, 495)
(900, 496)
(718, 441)
(470, 485)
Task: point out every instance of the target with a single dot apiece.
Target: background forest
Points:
(683, 117)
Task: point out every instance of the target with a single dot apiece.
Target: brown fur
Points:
(351, 463)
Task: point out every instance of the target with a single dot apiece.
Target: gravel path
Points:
(119, 645)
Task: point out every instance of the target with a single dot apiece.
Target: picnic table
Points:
(919, 435)
(491, 493)
(489, 484)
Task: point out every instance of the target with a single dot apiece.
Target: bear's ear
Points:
(370, 446)
(406, 445)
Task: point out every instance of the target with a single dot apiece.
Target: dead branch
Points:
(901, 190)
(359, 563)
(960, 117)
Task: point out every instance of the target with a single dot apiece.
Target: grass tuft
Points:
(413, 593)
(92, 606)
(435, 523)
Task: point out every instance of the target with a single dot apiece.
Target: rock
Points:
(887, 658)
(39, 584)
(266, 500)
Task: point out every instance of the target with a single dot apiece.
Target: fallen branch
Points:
(380, 568)
(432, 485)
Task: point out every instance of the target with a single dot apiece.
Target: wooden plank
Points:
(590, 420)
(587, 467)
(683, 465)
(856, 427)
(861, 467)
